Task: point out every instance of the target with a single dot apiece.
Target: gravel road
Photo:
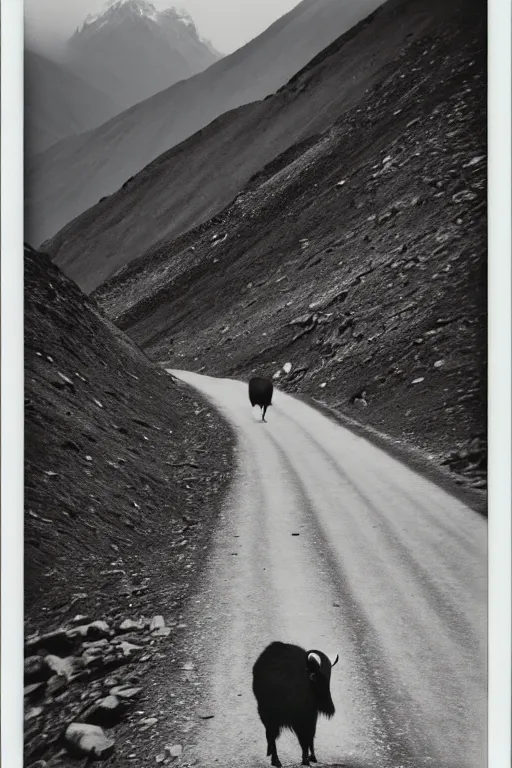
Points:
(328, 542)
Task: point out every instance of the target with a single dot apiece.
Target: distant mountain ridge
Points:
(59, 104)
(105, 158)
(132, 50)
(356, 251)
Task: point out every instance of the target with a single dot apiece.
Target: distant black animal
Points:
(260, 393)
(292, 687)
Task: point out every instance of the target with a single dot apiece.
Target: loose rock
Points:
(128, 649)
(34, 690)
(80, 619)
(147, 723)
(162, 632)
(34, 712)
(97, 629)
(56, 684)
(125, 692)
(130, 626)
(53, 642)
(83, 739)
(36, 670)
(107, 712)
(156, 623)
(62, 667)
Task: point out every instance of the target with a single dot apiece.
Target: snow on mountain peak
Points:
(113, 7)
(115, 13)
(181, 15)
(142, 8)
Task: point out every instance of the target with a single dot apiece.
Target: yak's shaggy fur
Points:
(260, 393)
(291, 686)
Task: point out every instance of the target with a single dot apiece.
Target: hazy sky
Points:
(227, 23)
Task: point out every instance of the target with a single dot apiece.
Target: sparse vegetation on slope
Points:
(359, 256)
(123, 472)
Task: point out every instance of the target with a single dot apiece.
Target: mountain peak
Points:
(173, 20)
(138, 8)
(123, 8)
(180, 14)
(131, 50)
(116, 11)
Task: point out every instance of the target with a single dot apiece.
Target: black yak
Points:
(260, 393)
(291, 687)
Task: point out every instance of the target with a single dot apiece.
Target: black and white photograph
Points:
(257, 463)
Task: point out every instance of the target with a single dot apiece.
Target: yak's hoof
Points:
(305, 761)
(313, 759)
(276, 762)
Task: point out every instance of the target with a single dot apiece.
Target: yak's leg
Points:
(312, 755)
(271, 747)
(306, 742)
(263, 410)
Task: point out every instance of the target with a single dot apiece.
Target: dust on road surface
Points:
(387, 570)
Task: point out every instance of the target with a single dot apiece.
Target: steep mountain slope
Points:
(133, 51)
(359, 256)
(59, 104)
(105, 432)
(124, 467)
(105, 158)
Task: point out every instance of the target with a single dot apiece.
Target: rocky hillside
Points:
(131, 50)
(123, 469)
(59, 104)
(105, 158)
(358, 255)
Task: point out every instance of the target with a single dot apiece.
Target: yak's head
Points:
(319, 668)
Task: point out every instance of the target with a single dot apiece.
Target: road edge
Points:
(409, 455)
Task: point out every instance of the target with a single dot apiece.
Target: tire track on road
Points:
(369, 568)
(459, 627)
(398, 751)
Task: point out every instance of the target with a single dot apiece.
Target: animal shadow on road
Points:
(346, 764)
(341, 764)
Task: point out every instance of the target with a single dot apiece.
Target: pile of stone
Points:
(470, 461)
(79, 680)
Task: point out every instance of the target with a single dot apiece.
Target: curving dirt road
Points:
(328, 542)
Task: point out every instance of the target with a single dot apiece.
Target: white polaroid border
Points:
(500, 383)
(12, 382)
(499, 391)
